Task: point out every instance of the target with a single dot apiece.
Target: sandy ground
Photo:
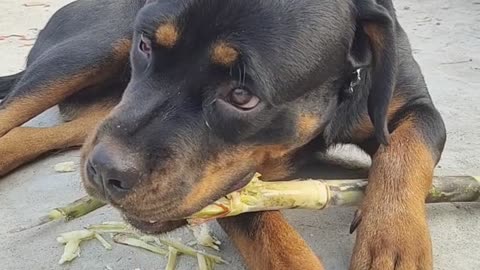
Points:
(445, 35)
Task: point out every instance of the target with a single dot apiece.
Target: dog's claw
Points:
(356, 221)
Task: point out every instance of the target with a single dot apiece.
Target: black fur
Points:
(7, 83)
(174, 124)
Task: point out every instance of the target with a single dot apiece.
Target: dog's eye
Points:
(243, 99)
(145, 45)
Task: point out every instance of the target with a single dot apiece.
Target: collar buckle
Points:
(356, 79)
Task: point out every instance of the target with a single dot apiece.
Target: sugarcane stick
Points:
(68, 212)
(306, 194)
(76, 209)
(318, 194)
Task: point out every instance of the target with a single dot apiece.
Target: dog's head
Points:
(220, 89)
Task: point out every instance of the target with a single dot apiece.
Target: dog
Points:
(179, 102)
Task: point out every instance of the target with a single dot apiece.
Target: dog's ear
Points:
(376, 44)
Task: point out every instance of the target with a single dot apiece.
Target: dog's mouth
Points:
(244, 180)
(156, 226)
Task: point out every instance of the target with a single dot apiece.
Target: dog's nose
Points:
(111, 172)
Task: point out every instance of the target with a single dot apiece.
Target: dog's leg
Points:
(392, 228)
(59, 73)
(267, 241)
(24, 144)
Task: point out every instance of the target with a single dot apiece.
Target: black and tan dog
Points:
(207, 92)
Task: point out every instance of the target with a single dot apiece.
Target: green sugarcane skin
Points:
(444, 189)
(455, 189)
(346, 192)
(76, 209)
(71, 211)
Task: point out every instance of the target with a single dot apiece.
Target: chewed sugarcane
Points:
(72, 242)
(204, 237)
(318, 194)
(125, 235)
(172, 258)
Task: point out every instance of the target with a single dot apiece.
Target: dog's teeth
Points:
(152, 221)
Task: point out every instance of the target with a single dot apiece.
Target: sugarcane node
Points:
(329, 195)
(357, 218)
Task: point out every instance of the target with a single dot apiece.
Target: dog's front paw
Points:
(392, 237)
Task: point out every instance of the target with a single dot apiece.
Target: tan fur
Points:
(215, 175)
(225, 167)
(307, 125)
(271, 244)
(22, 109)
(24, 144)
(276, 168)
(273, 161)
(364, 129)
(167, 35)
(393, 228)
(224, 54)
(376, 35)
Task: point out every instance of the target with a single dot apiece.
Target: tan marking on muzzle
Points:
(219, 172)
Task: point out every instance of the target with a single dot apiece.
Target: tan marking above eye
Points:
(167, 35)
(224, 54)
